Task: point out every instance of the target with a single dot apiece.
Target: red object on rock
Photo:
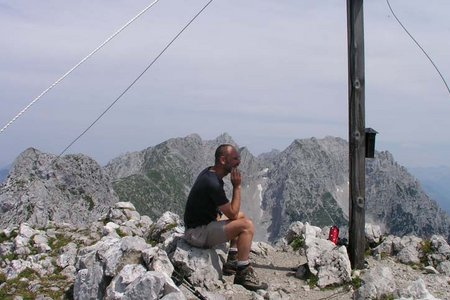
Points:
(334, 234)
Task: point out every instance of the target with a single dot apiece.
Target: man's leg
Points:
(233, 259)
(242, 231)
(232, 252)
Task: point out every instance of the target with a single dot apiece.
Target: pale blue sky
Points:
(266, 72)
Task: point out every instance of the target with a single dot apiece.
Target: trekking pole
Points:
(188, 285)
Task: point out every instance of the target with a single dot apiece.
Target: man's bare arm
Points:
(231, 209)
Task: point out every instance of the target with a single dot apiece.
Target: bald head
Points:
(222, 150)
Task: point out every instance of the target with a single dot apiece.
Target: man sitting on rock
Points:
(205, 205)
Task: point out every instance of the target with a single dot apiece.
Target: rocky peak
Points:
(31, 163)
(307, 182)
(125, 165)
(162, 175)
(395, 198)
(224, 138)
(43, 187)
(268, 157)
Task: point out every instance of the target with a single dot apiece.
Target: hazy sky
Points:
(266, 72)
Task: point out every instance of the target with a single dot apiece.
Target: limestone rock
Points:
(261, 248)
(202, 266)
(417, 290)
(156, 259)
(105, 259)
(440, 248)
(430, 270)
(295, 230)
(377, 283)
(133, 282)
(387, 246)
(326, 261)
(67, 256)
(126, 276)
(42, 187)
(164, 226)
(373, 233)
(409, 255)
(110, 229)
(444, 267)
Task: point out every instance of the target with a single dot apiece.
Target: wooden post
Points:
(356, 84)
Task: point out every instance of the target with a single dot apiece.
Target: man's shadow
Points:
(272, 267)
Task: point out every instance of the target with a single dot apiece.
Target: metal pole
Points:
(356, 87)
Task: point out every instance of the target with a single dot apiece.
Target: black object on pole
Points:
(370, 142)
(356, 89)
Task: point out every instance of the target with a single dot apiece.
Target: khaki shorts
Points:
(207, 236)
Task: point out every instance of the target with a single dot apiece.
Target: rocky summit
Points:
(43, 187)
(125, 255)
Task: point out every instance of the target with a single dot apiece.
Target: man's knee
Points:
(237, 227)
(248, 225)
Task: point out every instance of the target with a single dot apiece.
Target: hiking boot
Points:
(229, 267)
(247, 278)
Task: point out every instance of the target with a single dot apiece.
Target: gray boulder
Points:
(126, 276)
(156, 259)
(444, 267)
(67, 256)
(164, 226)
(409, 255)
(135, 282)
(124, 268)
(407, 249)
(122, 212)
(416, 290)
(203, 267)
(98, 263)
(387, 246)
(377, 283)
(373, 233)
(294, 231)
(326, 261)
(440, 249)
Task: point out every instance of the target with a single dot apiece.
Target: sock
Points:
(233, 250)
(242, 264)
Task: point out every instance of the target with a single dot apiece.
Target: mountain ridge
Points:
(308, 182)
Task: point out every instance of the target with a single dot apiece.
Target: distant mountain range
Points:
(308, 182)
(436, 183)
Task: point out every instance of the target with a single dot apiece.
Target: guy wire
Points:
(76, 66)
(135, 80)
(421, 48)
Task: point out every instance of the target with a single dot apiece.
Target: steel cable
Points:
(77, 65)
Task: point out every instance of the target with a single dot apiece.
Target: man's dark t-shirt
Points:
(203, 202)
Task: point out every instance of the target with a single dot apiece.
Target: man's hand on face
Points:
(235, 177)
